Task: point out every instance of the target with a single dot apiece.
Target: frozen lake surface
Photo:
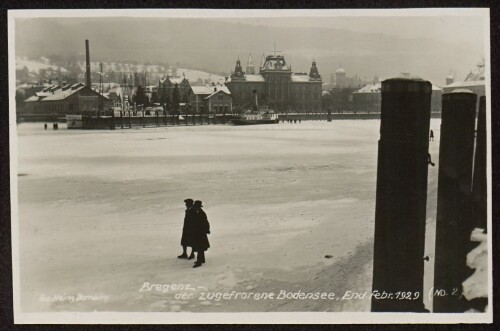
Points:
(101, 213)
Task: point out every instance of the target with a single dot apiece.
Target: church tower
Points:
(250, 69)
(238, 71)
(314, 73)
(340, 77)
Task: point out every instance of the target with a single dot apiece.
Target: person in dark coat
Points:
(431, 137)
(187, 231)
(201, 229)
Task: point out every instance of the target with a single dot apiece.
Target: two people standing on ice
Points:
(194, 232)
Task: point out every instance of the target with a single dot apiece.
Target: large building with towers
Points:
(275, 86)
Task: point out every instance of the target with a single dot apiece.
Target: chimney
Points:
(215, 89)
(87, 70)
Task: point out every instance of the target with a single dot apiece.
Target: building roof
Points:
(32, 98)
(209, 90)
(370, 88)
(377, 88)
(216, 92)
(60, 94)
(255, 78)
(302, 78)
(57, 93)
(466, 84)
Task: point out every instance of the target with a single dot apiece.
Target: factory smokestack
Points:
(87, 68)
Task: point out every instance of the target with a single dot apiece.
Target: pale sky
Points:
(454, 29)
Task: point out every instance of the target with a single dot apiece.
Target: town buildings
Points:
(66, 99)
(215, 99)
(275, 86)
(368, 98)
(474, 82)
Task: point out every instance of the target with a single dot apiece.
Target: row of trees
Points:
(162, 97)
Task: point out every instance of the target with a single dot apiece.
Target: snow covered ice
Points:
(101, 213)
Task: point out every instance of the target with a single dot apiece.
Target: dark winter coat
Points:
(201, 229)
(188, 228)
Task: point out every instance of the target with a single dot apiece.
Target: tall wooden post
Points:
(157, 118)
(479, 188)
(453, 219)
(398, 264)
(129, 120)
(121, 119)
(143, 118)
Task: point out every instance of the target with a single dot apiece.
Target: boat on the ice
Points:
(267, 117)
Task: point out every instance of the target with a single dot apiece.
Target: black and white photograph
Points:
(186, 166)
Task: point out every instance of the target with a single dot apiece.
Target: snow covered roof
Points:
(218, 91)
(255, 78)
(32, 98)
(61, 95)
(377, 88)
(462, 90)
(466, 84)
(340, 71)
(303, 78)
(57, 93)
(208, 90)
(201, 89)
(370, 88)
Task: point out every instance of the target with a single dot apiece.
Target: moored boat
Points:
(256, 118)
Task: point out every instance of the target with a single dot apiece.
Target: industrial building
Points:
(67, 99)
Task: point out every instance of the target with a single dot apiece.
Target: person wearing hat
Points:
(201, 228)
(187, 231)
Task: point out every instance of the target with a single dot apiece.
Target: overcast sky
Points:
(455, 29)
(365, 45)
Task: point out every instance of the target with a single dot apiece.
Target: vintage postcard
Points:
(251, 166)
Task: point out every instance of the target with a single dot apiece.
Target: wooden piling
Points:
(479, 188)
(398, 264)
(453, 219)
